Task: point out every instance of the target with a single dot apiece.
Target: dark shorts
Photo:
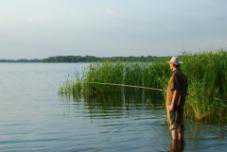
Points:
(176, 119)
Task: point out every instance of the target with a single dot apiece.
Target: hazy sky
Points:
(41, 28)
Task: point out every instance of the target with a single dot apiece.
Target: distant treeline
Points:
(75, 59)
(20, 60)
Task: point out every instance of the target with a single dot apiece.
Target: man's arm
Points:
(174, 100)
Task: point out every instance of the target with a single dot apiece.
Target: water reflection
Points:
(121, 104)
(137, 116)
(176, 146)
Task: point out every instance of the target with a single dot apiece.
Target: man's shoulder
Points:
(177, 72)
(179, 75)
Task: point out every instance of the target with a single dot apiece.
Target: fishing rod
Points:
(126, 85)
(139, 87)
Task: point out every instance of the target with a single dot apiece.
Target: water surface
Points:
(33, 117)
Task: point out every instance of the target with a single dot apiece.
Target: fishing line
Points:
(139, 87)
(126, 85)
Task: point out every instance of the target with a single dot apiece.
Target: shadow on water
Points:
(141, 112)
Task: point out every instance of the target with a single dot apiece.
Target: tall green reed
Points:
(206, 72)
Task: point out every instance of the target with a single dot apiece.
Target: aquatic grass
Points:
(71, 88)
(206, 72)
(105, 72)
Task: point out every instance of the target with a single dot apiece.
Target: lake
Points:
(33, 117)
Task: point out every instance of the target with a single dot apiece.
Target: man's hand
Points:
(170, 107)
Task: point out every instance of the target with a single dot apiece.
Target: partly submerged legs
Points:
(180, 134)
(174, 135)
(180, 125)
(177, 144)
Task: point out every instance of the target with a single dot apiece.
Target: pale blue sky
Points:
(41, 28)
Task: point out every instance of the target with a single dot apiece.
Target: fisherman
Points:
(175, 98)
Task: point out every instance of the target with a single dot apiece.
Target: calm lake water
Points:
(33, 117)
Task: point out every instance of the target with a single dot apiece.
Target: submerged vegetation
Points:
(206, 72)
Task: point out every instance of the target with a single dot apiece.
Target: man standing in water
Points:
(175, 97)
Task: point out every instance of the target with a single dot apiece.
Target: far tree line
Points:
(86, 59)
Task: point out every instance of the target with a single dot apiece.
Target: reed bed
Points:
(206, 72)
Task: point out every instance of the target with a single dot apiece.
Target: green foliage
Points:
(71, 88)
(206, 72)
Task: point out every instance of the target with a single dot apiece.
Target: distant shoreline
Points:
(90, 59)
(84, 59)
